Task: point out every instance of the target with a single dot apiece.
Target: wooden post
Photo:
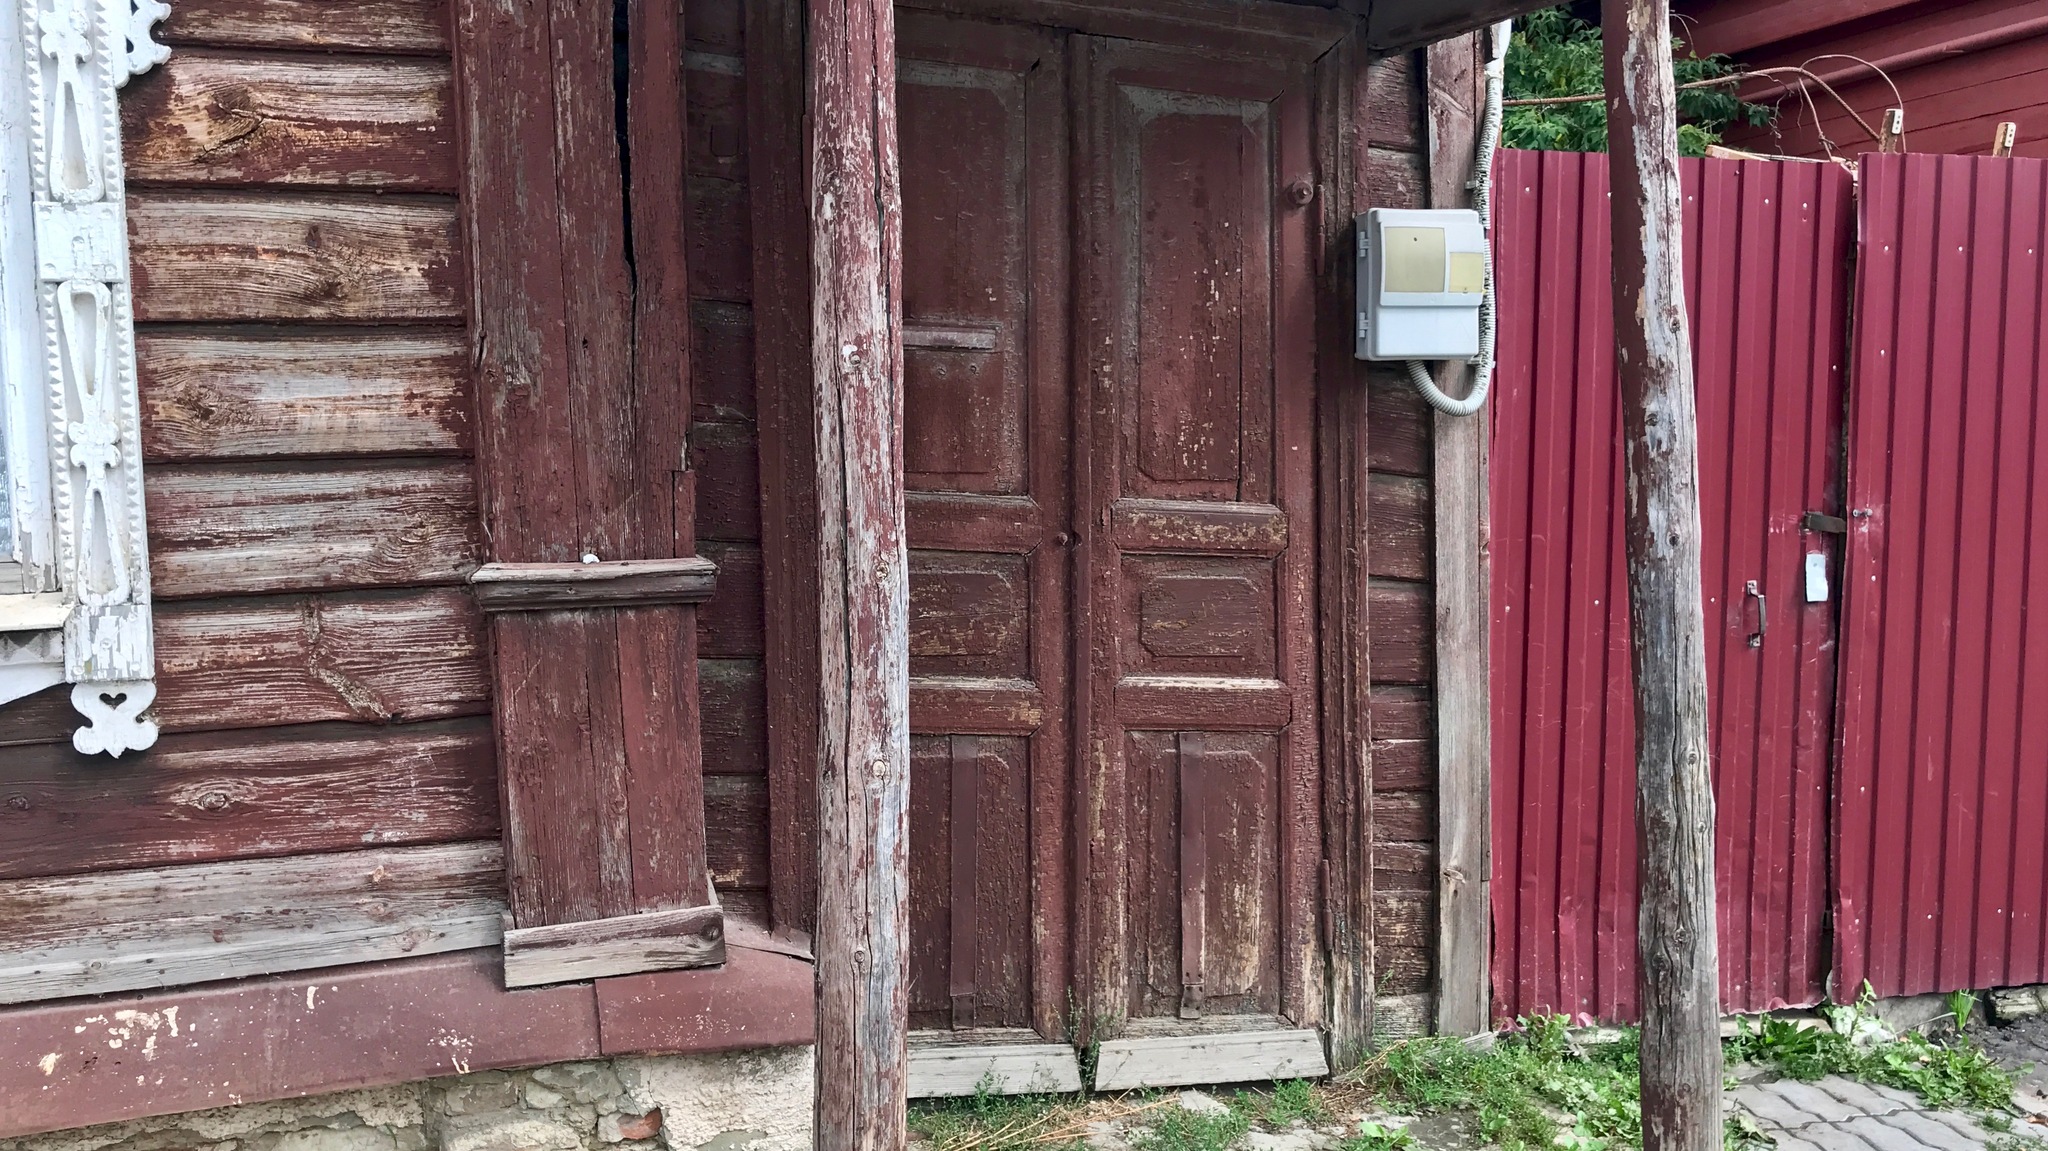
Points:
(1455, 107)
(864, 598)
(1678, 966)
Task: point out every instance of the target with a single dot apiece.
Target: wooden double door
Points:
(1109, 305)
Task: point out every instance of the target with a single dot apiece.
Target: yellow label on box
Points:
(1414, 260)
(1468, 273)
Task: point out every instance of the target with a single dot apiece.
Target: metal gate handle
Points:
(1763, 618)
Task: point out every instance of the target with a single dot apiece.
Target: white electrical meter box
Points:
(1421, 277)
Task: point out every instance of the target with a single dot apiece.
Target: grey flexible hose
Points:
(1419, 374)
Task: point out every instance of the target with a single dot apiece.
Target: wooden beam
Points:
(1455, 103)
(864, 597)
(623, 944)
(580, 309)
(1343, 99)
(1678, 972)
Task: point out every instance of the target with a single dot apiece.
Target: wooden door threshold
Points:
(1215, 1049)
(996, 1060)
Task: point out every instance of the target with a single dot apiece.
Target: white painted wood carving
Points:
(70, 57)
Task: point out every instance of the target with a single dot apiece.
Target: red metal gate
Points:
(1942, 791)
(1767, 248)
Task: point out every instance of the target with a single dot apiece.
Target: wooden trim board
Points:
(603, 583)
(169, 926)
(1221, 1057)
(619, 945)
(943, 1066)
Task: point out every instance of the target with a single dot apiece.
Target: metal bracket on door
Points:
(1763, 619)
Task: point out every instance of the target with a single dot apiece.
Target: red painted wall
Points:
(1959, 69)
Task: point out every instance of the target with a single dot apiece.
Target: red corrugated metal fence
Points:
(1942, 786)
(1767, 248)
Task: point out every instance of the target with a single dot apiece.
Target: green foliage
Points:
(1945, 1075)
(1178, 1129)
(1291, 1100)
(1555, 54)
(1519, 1089)
(1378, 1137)
(1960, 1005)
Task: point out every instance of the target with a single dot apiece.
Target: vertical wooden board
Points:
(659, 704)
(552, 873)
(931, 860)
(1463, 942)
(780, 290)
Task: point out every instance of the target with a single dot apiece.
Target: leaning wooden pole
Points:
(1678, 968)
(864, 647)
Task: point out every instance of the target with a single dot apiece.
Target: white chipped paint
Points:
(48, 1063)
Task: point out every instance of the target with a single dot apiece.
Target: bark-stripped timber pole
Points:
(1678, 969)
(864, 629)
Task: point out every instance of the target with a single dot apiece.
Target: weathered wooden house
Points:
(1959, 68)
(409, 600)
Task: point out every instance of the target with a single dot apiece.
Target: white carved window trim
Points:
(74, 586)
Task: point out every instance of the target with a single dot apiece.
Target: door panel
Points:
(984, 285)
(1194, 325)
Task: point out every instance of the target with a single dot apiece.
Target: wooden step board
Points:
(1213, 1057)
(1004, 1062)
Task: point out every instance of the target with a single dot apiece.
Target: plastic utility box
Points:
(1421, 277)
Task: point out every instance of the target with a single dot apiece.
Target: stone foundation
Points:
(745, 1101)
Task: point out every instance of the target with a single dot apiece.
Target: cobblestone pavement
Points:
(1837, 1114)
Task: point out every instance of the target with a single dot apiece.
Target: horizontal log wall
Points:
(308, 422)
(1401, 559)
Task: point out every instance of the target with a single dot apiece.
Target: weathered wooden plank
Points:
(208, 117)
(1227, 1057)
(93, 934)
(1398, 1017)
(940, 1069)
(733, 696)
(233, 529)
(1403, 739)
(736, 832)
(1396, 180)
(1402, 534)
(1404, 816)
(600, 583)
(1402, 438)
(224, 256)
(1393, 103)
(1403, 632)
(240, 794)
(234, 396)
(1405, 918)
(414, 26)
(732, 622)
(1464, 945)
(620, 945)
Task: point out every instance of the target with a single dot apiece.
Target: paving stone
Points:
(1879, 1133)
(1863, 1097)
(1813, 1100)
(1786, 1142)
(1829, 1138)
(1767, 1105)
(1960, 1122)
(1938, 1136)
